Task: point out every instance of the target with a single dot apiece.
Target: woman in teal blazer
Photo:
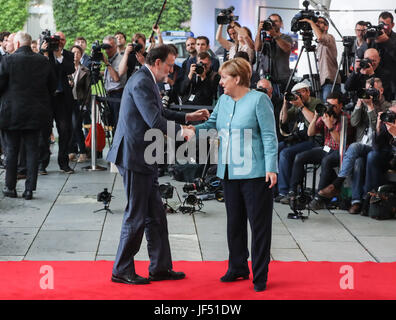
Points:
(248, 165)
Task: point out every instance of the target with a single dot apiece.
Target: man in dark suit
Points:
(26, 82)
(62, 62)
(141, 110)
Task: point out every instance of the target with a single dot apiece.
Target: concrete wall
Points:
(41, 17)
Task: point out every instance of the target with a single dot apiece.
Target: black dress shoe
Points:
(259, 288)
(135, 279)
(42, 172)
(28, 195)
(11, 193)
(231, 277)
(166, 275)
(67, 170)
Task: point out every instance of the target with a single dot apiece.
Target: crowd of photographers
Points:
(308, 114)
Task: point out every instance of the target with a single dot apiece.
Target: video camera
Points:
(327, 108)
(227, 16)
(388, 116)
(373, 32)
(297, 24)
(96, 53)
(52, 40)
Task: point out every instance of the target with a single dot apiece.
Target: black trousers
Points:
(30, 142)
(249, 199)
(327, 160)
(144, 213)
(63, 118)
(77, 141)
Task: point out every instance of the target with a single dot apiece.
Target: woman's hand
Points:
(271, 176)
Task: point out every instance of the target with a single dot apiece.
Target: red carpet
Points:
(87, 280)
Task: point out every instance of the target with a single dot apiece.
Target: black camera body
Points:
(373, 32)
(52, 40)
(137, 47)
(327, 108)
(268, 25)
(227, 16)
(365, 63)
(197, 185)
(298, 25)
(388, 116)
(369, 93)
(199, 68)
(166, 190)
(104, 196)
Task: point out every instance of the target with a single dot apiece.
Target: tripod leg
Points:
(294, 70)
(311, 77)
(338, 72)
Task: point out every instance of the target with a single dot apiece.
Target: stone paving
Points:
(60, 224)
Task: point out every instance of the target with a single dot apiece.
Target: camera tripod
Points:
(345, 64)
(98, 100)
(105, 208)
(307, 48)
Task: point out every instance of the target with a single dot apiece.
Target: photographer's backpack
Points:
(382, 204)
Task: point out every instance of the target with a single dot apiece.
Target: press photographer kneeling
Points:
(297, 117)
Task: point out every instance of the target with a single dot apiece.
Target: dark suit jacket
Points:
(26, 83)
(141, 110)
(62, 70)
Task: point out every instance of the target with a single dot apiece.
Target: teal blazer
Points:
(246, 130)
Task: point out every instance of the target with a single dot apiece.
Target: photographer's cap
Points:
(300, 85)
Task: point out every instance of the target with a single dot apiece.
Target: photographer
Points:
(62, 62)
(243, 41)
(327, 56)
(274, 52)
(329, 124)
(85, 59)
(364, 119)
(200, 87)
(386, 46)
(360, 45)
(365, 69)
(134, 56)
(114, 82)
(202, 45)
(298, 117)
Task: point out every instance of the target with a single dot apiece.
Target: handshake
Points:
(199, 115)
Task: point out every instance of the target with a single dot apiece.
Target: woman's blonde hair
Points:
(238, 67)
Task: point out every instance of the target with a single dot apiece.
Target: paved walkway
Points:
(60, 224)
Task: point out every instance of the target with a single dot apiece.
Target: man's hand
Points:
(369, 103)
(298, 102)
(188, 132)
(328, 121)
(382, 38)
(368, 71)
(391, 127)
(192, 71)
(199, 115)
(271, 176)
(140, 58)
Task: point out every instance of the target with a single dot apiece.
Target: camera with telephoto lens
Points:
(327, 108)
(52, 40)
(199, 68)
(104, 196)
(373, 32)
(369, 93)
(227, 16)
(298, 25)
(388, 116)
(290, 96)
(268, 25)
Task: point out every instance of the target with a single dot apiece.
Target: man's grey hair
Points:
(23, 38)
(110, 38)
